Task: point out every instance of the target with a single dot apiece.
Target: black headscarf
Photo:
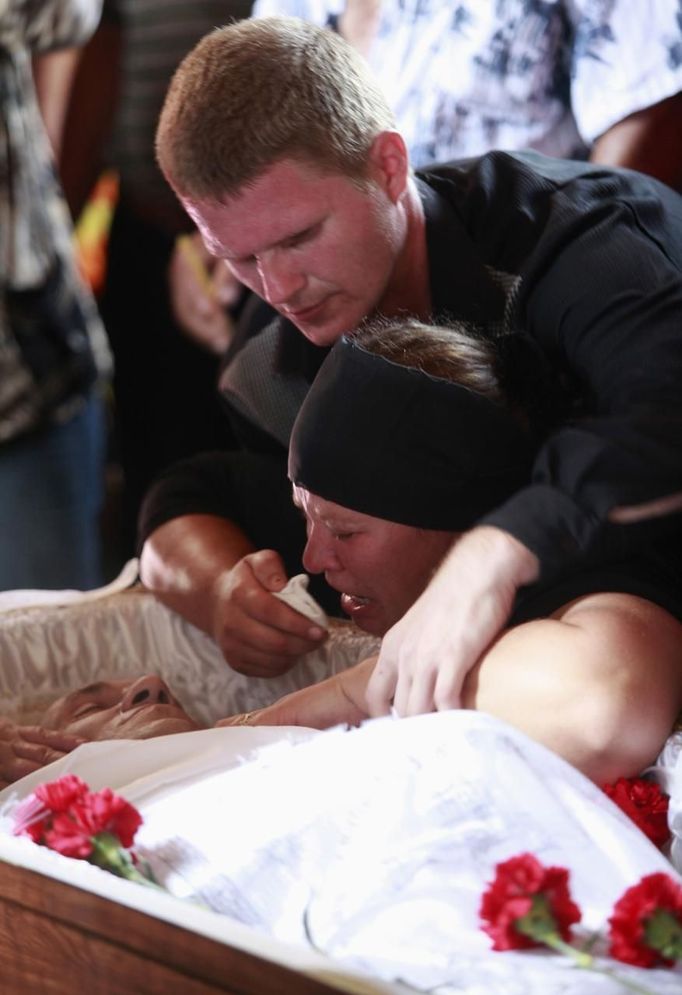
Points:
(399, 444)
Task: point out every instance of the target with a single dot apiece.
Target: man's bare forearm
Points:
(183, 560)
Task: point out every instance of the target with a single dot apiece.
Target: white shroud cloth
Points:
(378, 841)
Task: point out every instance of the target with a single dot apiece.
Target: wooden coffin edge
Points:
(48, 913)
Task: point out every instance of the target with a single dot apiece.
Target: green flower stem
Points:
(539, 924)
(632, 986)
(587, 962)
(579, 957)
(108, 854)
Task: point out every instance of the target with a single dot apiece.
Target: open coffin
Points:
(338, 861)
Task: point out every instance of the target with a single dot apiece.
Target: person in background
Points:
(54, 357)
(165, 399)
(311, 200)
(588, 80)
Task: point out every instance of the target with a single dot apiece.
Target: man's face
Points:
(379, 567)
(129, 709)
(318, 247)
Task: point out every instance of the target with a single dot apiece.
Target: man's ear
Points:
(390, 164)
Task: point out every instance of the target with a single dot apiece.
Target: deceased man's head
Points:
(137, 708)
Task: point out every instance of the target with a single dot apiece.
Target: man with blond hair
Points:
(281, 148)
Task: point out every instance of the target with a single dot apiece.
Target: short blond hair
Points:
(258, 91)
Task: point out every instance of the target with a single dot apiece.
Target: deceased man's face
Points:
(139, 708)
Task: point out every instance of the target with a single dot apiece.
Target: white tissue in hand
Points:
(296, 595)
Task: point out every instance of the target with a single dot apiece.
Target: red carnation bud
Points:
(528, 904)
(34, 815)
(644, 803)
(645, 927)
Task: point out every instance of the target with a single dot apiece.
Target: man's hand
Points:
(338, 699)
(201, 289)
(258, 634)
(24, 749)
(426, 656)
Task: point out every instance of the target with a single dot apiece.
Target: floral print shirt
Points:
(552, 75)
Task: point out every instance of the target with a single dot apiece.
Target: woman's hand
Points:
(259, 634)
(338, 699)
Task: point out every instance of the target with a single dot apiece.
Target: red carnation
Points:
(527, 904)
(97, 826)
(96, 812)
(645, 803)
(105, 812)
(66, 816)
(645, 927)
(67, 836)
(34, 814)
(58, 795)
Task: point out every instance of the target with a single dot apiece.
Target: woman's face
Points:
(379, 567)
(140, 708)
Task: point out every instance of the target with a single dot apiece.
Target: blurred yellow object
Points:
(92, 230)
(196, 264)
